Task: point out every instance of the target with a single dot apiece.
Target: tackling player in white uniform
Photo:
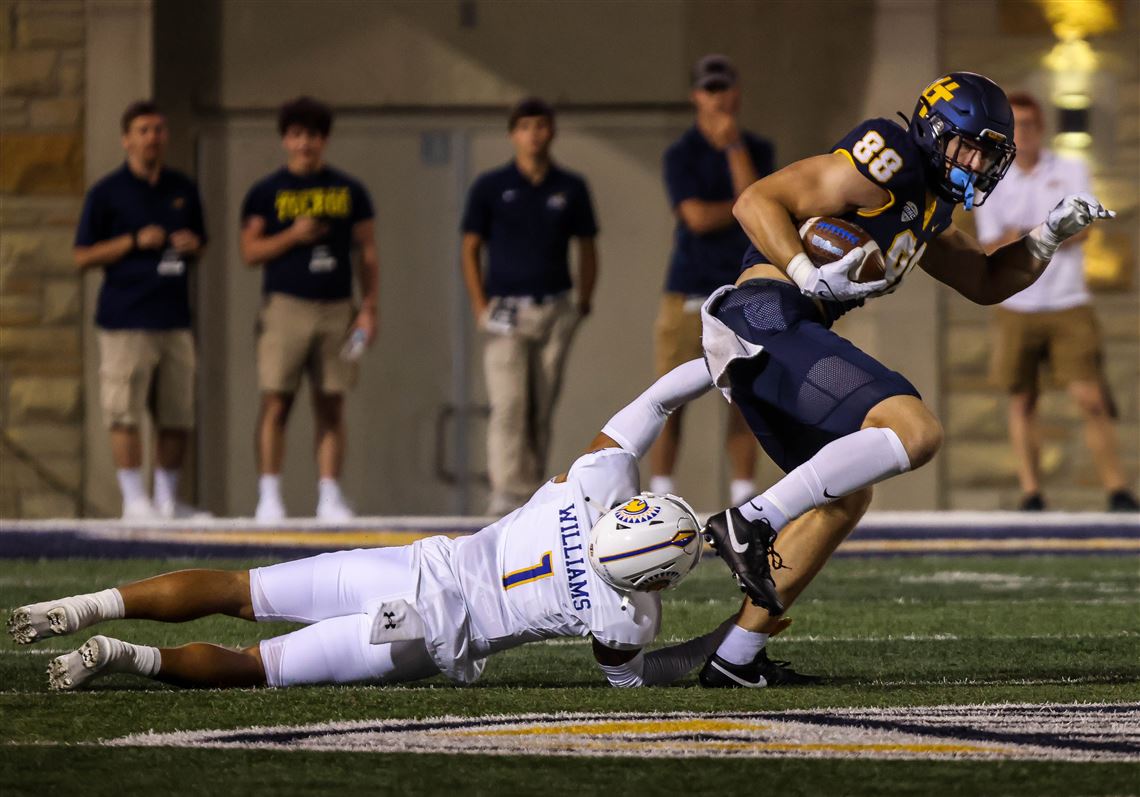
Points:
(585, 556)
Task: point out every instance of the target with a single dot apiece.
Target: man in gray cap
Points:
(706, 169)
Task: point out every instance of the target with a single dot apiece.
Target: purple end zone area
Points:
(880, 534)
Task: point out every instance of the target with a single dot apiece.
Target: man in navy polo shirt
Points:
(705, 170)
(525, 214)
(302, 224)
(142, 224)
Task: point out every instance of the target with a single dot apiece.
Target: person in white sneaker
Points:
(142, 226)
(302, 225)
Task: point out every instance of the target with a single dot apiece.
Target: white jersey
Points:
(528, 577)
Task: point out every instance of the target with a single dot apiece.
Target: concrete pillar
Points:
(120, 69)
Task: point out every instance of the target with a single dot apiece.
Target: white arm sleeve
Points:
(636, 426)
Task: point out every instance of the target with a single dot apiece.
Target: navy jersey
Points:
(528, 227)
(322, 270)
(147, 288)
(884, 153)
(695, 169)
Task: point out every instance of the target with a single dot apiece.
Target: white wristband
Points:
(799, 268)
(1042, 243)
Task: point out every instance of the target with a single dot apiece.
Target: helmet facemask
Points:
(957, 180)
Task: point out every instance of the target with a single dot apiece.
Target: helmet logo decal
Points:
(637, 510)
(941, 89)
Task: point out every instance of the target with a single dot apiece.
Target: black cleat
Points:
(757, 674)
(1031, 502)
(1123, 501)
(746, 547)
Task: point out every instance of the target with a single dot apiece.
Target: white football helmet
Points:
(648, 543)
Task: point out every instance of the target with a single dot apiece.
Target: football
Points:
(827, 239)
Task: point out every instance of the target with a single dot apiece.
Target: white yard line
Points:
(816, 638)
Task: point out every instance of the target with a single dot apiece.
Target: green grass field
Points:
(886, 632)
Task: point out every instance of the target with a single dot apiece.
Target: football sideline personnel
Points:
(833, 418)
(585, 556)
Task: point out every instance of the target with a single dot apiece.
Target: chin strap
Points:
(960, 178)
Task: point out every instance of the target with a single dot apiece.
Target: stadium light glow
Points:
(1073, 61)
(1079, 19)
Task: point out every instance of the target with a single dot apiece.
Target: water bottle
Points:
(354, 347)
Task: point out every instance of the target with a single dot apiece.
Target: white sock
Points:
(269, 486)
(91, 608)
(740, 646)
(329, 490)
(136, 659)
(165, 486)
(848, 464)
(110, 602)
(740, 490)
(662, 485)
(131, 484)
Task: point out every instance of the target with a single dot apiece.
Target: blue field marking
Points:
(880, 534)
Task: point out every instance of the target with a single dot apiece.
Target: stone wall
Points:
(1008, 42)
(41, 189)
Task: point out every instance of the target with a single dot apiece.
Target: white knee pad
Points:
(337, 651)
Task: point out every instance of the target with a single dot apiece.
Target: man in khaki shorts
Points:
(705, 170)
(1052, 321)
(302, 224)
(142, 224)
(525, 213)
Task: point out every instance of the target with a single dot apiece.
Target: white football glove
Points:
(831, 282)
(1072, 214)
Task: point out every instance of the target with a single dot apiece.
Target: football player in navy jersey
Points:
(833, 418)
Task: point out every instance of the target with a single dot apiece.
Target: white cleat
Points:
(72, 670)
(35, 621)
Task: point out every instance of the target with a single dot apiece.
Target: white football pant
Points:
(335, 593)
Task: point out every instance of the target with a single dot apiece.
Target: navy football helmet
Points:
(964, 125)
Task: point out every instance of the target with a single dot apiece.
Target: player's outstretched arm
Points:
(639, 423)
(630, 668)
(956, 259)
